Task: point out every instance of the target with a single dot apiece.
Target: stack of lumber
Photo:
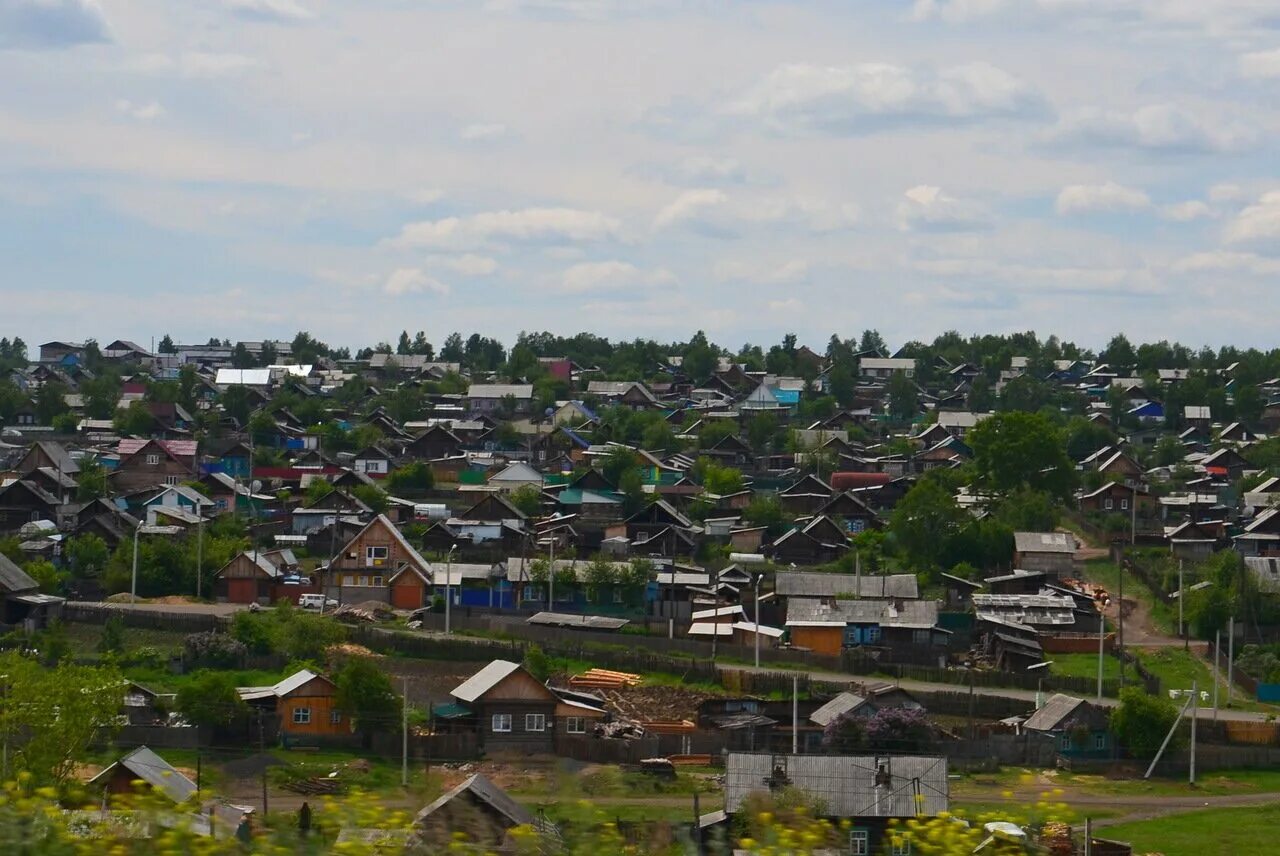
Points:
(669, 726)
(603, 679)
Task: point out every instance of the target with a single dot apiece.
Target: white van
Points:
(313, 602)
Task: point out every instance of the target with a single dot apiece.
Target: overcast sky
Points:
(248, 168)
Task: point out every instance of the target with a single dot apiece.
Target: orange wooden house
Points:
(305, 702)
(379, 563)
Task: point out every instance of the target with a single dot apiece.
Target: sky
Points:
(640, 168)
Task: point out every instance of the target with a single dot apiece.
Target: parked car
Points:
(316, 603)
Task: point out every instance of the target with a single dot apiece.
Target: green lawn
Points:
(1203, 833)
(1106, 573)
(1083, 666)
(1177, 668)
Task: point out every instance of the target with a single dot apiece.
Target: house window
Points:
(535, 722)
(377, 581)
(1065, 743)
(532, 593)
(617, 594)
(375, 555)
(1124, 505)
(903, 848)
(364, 581)
(335, 716)
(302, 716)
(153, 460)
(575, 725)
(1108, 503)
(502, 722)
(171, 480)
(1099, 742)
(859, 842)
(920, 637)
(873, 633)
(348, 580)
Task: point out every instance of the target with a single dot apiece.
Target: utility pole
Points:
(1102, 637)
(1217, 652)
(199, 552)
(404, 736)
(262, 750)
(448, 594)
(1120, 616)
(551, 576)
(757, 640)
(133, 582)
(1231, 655)
(1195, 709)
(1182, 595)
(795, 714)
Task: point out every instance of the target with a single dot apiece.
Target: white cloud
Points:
(1257, 223)
(688, 205)
(1216, 17)
(594, 277)
(528, 224)
(869, 96)
(483, 132)
(926, 208)
(793, 271)
(145, 112)
(1185, 212)
(1157, 127)
(789, 305)
(1223, 260)
(51, 24)
(1261, 64)
(404, 281)
(709, 169)
(424, 196)
(282, 11)
(468, 264)
(1081, 198)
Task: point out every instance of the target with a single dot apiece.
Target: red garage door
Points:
(242, 591)
(406, 596)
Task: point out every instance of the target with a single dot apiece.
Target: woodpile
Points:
(669, 726)
(603, 679)
(315, 786)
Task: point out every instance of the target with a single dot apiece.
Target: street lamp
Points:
(448, 597)
(1040, 669)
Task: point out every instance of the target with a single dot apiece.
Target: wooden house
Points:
(142, 765)
(153, 463)
(379, 563)
(304, 702)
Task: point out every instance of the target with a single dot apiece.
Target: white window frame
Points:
(363, 581)
(371, 553)
(535, 722)
(153, 460)
(172, 480)
(859, 842)
(1099, 742)
(1124, 504)
(501, 723)
(335, 717)
(903, 849)
(1065, 743)
(302, 716)
(1108, 503)
(575, 725)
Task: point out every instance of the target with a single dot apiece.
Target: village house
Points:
(1051, 552)
(143, 765)
(148, 464)
(1077, 727)
(304, 703)
(378, 564)
(509, 709)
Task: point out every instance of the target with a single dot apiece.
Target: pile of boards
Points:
(603, 679)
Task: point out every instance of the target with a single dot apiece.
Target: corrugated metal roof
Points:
(500, 390)
(836, 708)
(484, 680)
(846, 785)
(155, 771)
(243, 377)
(13, 579)
(1055, 710)
(817, 584)
(1044, 542)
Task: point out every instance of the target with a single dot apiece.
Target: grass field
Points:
(1203, 833)
(1083, 666)
(1106, 573)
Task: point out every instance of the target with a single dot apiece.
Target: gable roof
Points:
(281, 688)
(61, 459)
(1055, 710)
(500, 390)
(14, 580)
(484, 680)
(415, 557)
(177, 449)
(480, 788)
(819, 584)
(836, 708)
(146, 765)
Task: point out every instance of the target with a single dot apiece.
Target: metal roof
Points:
(155, 771)
(913, 613)
(708, 628)
(836, 708)
(586, 622)
(817, 584)
(1055, 710)
(846, 785)
(484, 680)
(1044, 542)
(243, 377)
(500, 390)
(13, 579)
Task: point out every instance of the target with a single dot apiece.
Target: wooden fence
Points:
(181, 622)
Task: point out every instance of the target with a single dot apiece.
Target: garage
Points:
(241, 590)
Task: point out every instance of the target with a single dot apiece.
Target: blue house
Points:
(1078, 728)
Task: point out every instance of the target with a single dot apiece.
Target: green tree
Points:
(1014, 449)
(527, 498)
(51, 401)
(902, 393)
(135, 420)
(924, 521)
(619, 460)
(46, 575)
(372, 496)
(537, 663)
(1140, 722)
(842, 385)
(50, 717)
(366, 696)
(112, 639)
(700, 359)
(210, 700)
(413, 477)
(599, 576)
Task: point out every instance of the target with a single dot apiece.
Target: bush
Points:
(1141, 721)
(213, 650)
(112, 641)
(210, 699)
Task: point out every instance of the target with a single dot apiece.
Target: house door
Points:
(241, 590)
(406, 597)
